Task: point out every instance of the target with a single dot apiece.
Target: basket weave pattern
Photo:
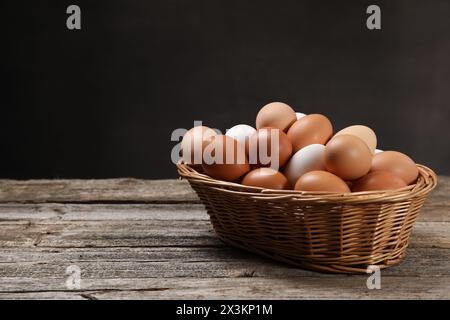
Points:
(318, 231)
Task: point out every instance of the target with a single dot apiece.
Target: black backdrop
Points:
(103, 101)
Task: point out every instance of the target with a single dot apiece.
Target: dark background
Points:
(103, 101)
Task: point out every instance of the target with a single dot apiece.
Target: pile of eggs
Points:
(310, 156)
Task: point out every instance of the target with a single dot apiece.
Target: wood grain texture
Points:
(134, 190)
(152, 233)
(173, 262)
(135, 239)
(106, 190)
(337, 287)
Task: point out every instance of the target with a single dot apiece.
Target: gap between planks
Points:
(142, 233)
(198, 262)
(130, 190)
(339, 286)
(124, 190)
(184, 211)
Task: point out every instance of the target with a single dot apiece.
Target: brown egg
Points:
(193, 143)
(276, 115)
(259, 148)
(396, 163)
(266, 178)
(224, 158)
(364, 133)
(321, 181)
(378, 180)
(313, 128)
(347, 157)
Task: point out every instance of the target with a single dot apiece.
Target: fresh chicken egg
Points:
(268, 147)
(266, 178)
(347, 157)
(364, 133)
(225, 159)
(240, 132)
(310, 129)
(193, 143)
(378, 180)
(321, 181)
(307, 159)
(397, 163)
(299, 115)
(276, 115)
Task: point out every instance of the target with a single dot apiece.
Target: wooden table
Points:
(141, 239)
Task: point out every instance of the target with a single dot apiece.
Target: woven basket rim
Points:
(426, 182)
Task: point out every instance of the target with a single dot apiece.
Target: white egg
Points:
(378, 151)
(300, 115)
(240, 132)
(306, 159)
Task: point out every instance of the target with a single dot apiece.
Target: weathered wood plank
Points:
(151, 239)
(336, 287)
(102, 190)
(149, 211)
(101, 212)
(148, 233)
(135, 190)
(106, 233)
(48, 295)
(220, 262)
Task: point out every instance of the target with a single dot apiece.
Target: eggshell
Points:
(299, 115)
(397, 163)
(321, 181)
(310, 129)
(233, 163)
(378, 180)
(276, 115)
(259, 145)
(240, 132)
(364, 133)
(307, 159)
(193, 143)
(266, 178)
(348, 157)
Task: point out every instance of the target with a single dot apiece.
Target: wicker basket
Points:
(339, 233)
